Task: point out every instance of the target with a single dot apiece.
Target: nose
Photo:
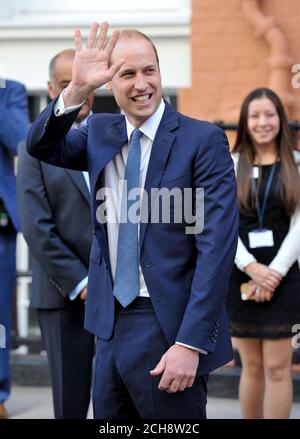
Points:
(262, 120)
(140, 82)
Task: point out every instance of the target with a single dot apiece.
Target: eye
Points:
(127, 75)
(150, 70)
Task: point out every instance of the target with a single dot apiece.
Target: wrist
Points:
(250, 269)
(75, 95)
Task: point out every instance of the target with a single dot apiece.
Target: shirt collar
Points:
(150, 126)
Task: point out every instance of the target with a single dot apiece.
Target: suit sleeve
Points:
(14, 120)
(52, 140)
(216, 244)
(38, 226)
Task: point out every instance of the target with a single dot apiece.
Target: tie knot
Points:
(135, 135)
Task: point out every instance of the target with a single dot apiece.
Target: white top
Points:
(289, 251)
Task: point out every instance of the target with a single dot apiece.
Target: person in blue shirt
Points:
(14, 125)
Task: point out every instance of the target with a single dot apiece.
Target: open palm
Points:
(91, 64)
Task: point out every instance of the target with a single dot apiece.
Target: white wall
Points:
(32, 31)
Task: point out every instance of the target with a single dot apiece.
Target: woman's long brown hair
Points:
(289, 180)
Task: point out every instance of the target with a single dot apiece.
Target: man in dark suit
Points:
(156, 287)
(56, 223)
(14, 125)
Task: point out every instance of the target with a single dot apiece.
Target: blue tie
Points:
(127, 282)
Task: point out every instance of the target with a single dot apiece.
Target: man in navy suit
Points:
(156, 288)
(14, 125)
(56, 223)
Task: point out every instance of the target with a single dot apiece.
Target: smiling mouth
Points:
(142, 98)
(264, 132)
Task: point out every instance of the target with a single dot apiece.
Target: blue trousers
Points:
(123, 387)
(7, 287)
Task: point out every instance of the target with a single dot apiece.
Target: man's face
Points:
(137, 85)
(62, 77)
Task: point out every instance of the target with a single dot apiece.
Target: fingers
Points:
(276, 275)
(258, 296)
(92, 36)
(112, 42)
(270, 284)
(102, 35)
(273, 278)
(98, 41)
(77, 40)
(250, 293)
(262, 295)
(115, 68)
(185, 384)
(171, 384)
(158, 370)
(166, 382)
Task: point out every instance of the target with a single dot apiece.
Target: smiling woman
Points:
(263, 300)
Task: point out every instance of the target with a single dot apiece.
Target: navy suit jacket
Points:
(14, 126)
(56, 223)
(186, 275)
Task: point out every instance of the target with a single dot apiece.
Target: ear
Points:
(50, 89)
(108, 85)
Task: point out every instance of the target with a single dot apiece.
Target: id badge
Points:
(261, 238)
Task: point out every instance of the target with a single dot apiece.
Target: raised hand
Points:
(91, 64)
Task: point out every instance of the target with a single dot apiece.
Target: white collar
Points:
(150, 126)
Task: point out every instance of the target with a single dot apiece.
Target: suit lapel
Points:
(113, 141)
(161, 148)
(79, 181)
(111, 145)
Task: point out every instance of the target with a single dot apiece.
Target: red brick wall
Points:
(228, 60)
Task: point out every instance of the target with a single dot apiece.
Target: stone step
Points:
(32, 370)
(29, 370)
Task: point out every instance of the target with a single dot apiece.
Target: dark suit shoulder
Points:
(107, 118)
(203, 132)
(203, 125)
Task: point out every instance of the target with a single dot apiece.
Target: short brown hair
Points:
(127, 34)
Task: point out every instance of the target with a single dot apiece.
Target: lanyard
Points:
(261, 210)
